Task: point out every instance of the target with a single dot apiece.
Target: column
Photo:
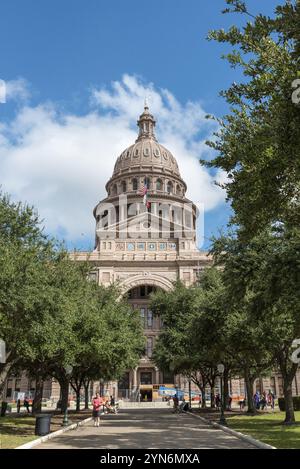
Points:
(156, 375)
(135, 378)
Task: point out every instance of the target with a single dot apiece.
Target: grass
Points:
(15, 431)
(268, 428)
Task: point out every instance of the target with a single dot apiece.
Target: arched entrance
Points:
(145, 379)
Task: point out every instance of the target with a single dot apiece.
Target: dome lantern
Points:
(146, 124)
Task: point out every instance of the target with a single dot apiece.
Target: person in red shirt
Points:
(97, 403)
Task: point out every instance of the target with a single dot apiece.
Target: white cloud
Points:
(61, 162)
(17, 90)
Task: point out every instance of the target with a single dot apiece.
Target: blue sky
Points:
(61, 58)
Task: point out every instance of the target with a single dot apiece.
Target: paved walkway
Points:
(146, 429)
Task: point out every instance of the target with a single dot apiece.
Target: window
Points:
(143, 316)
(142, 291)
(149, 319)
(178, 190)
(9, 388)
(114, 190)
(147, 182)
(134, 184)
(168, 377)
(123, 383)
(93, 276)
(146, 377)
(159, 185)
(18, 385)
(124, 186)
(169, 188)
(105, 276)
(149, 347)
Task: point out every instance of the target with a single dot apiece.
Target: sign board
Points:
(2, 351)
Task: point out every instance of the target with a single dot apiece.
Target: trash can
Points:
(42, 424)
(3, 408)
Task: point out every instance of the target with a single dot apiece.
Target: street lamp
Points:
(221, 369)
(68, 369)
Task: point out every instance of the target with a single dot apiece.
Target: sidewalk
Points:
(147, 429)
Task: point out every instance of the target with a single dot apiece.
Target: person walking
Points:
(271, 399)
(97, 403)
(18, 405)
(27, 404)
(175, 402)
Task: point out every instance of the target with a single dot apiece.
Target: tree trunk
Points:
(64, 389)
(78, 400)
(212, 396)
(86, 395)
(37, 401)
(203, 400)
(288, 372)
(225, 389)
(4, 372)
(76, 385)
(288, 398)
(249, 380)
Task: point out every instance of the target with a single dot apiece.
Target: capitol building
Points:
(145, 239)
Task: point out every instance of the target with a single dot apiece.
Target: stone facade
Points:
(145, 239)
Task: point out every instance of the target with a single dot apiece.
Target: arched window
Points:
(147, 182)
(124, 186)
(114, 189)
(170, 187)
(134, 184)
(159, 185)
(178, 189)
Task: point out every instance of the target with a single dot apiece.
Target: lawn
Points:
(15, 431)
(269, 429)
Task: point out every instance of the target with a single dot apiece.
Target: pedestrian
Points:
(271, 399)
(256, 399)
(229, 402)
(97, 403)
(242, 402)
(18, 405)
(112, 401)
(263, 401)
(175, 402)
(27, 404)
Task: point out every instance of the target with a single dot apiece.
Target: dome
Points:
(146, 150)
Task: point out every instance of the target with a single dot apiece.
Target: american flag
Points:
(143, 191)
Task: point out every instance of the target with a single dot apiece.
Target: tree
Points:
(263, 276)
(191, 341)
(23, 249)
(51, 316)
(258, 143)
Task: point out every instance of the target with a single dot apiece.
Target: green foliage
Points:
(258, 143)
(50, 314)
